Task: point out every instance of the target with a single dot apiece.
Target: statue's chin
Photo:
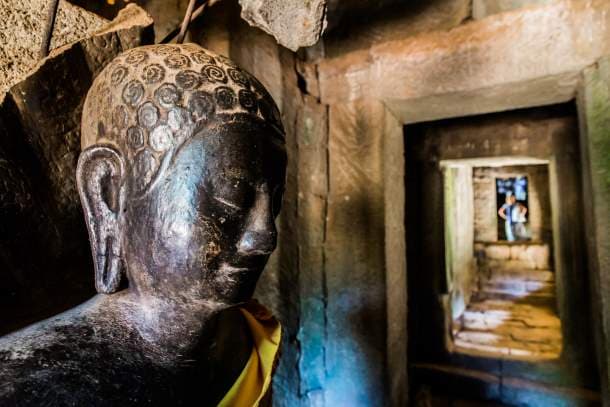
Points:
(236, 285)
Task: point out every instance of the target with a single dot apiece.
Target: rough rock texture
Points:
(293, 23)
(167, 14)
(44, 249)
(22, 25)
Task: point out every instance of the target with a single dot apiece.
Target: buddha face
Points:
(181, 175)
(208, 227)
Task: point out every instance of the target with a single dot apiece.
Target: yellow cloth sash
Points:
(254, 381)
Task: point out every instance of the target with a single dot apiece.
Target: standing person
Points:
(506, 213)
(519, 219)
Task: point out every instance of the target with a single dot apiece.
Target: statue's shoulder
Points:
(74, 360)
(38, 355)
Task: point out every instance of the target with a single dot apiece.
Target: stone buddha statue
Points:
(180, 178)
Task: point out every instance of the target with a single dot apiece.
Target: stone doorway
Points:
(490, 320)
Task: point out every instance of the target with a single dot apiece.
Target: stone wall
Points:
(594, 114)
(459, 236)
(486, 212)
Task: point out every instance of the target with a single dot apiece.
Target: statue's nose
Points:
(257, 243)
(259, 236)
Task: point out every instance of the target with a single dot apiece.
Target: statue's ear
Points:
(99, 176)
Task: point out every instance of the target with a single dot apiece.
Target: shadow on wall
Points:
(355, 289)
(44, 246)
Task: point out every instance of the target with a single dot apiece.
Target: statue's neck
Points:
(175, 328)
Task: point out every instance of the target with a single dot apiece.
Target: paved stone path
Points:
(512, 315)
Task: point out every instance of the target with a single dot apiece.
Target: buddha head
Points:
(181, 175)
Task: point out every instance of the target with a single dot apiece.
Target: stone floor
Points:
(513, 315)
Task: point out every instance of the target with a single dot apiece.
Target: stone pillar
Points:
(395, 261)
(459, 236)
(354, 250)
(594, 114)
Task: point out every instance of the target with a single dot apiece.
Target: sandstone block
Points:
(293, 23)
(498, 252)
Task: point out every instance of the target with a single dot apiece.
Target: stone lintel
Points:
(505, 60)
(530, 93)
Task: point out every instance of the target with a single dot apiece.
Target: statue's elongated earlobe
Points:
(99, 176)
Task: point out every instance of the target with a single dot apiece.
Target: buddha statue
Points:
(180, 177)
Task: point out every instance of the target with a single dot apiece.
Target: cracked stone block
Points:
(293, 23)
(22, 25)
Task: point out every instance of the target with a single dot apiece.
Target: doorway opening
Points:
(490, 318)
(498, 259)
(512, 204)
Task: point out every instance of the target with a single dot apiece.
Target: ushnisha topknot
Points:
(150, 99)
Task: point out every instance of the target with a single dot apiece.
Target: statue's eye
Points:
(232, 206)
(235, 195)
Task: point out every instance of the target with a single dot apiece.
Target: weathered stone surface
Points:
(459, 236)
(41, 118)
(536, 254)
(262, 60)
(594, 112)
(512, 314)
(513, 265)
(396, 262)
(312, 139)
(287, 380)
(293, 23)
(484, 8)
(394, 22)
(508, 60)
(22, 25)
(355, 279)
(499, 252)
(212, 32)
